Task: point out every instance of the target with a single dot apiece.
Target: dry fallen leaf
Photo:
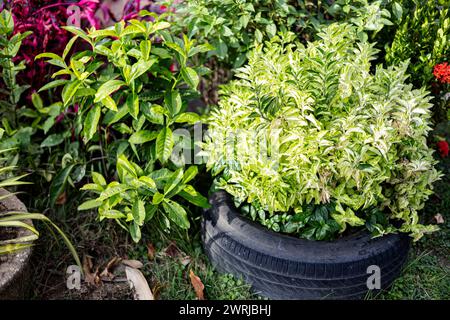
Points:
(139, 284)
(198, 285)
(108, 271)
(133, 264)
(172, 250)
(151, 251)
(62, 198)
(439, 218)
(90, 277)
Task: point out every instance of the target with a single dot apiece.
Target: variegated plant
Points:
(345, 142)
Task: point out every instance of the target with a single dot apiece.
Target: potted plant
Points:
(322, 165)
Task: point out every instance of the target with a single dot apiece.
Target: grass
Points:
(168, 271)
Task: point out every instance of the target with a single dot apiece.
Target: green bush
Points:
(423, 37)
(131, 87)
(233, 26)
(310, 139)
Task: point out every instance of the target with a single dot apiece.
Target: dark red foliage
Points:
(48, 35)
(45, 18)
(443, 148)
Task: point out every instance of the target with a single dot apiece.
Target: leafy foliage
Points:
(10, 219)
(233, 27)
(46, 19)
(129, 107)
(14, 135)
(423, 37)
(333, 134)
(21, 122)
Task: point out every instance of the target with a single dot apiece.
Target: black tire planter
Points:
(15, 267)
(284, 267)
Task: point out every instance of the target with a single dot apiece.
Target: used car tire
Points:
(284, 267)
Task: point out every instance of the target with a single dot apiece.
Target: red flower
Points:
(163, 8)
(443, 148)
(442, 72)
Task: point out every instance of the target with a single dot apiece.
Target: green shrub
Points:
(14, 135)
(27, 127)
(339, 144)
(423, 37)
(233, 26)
(131, 87)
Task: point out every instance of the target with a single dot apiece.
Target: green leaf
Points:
(132, 30)
(124, 165)
(157, 198)
(190, 76)
(112, 214)
(68, 47)
(173, 181)
(37, 101)
(133, 105)
(187, 117)
(92, 187)
(190, 174)
(107, 89)
(98, 179)
(258, 35)
(38, 216)
(103, 33)
(164, 144)
(91, 123)
(148, 182)
(160, 26)
(138, 212)
(59, 183)
(6, 22)
(50, 55)
(271, 30)
(112, 191)
(150, 211)
(173, 103)
(191, 195)
(145, 47)
(398, 10)
(53, 84)
(90, 204)
(176, 48)
(14, 181)
(176, 213)
(69, 91)
(200, 49)
(109, 103)
(135, 232)
(79, 32)
(142, 136)
(139, 68)
(53, 140)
